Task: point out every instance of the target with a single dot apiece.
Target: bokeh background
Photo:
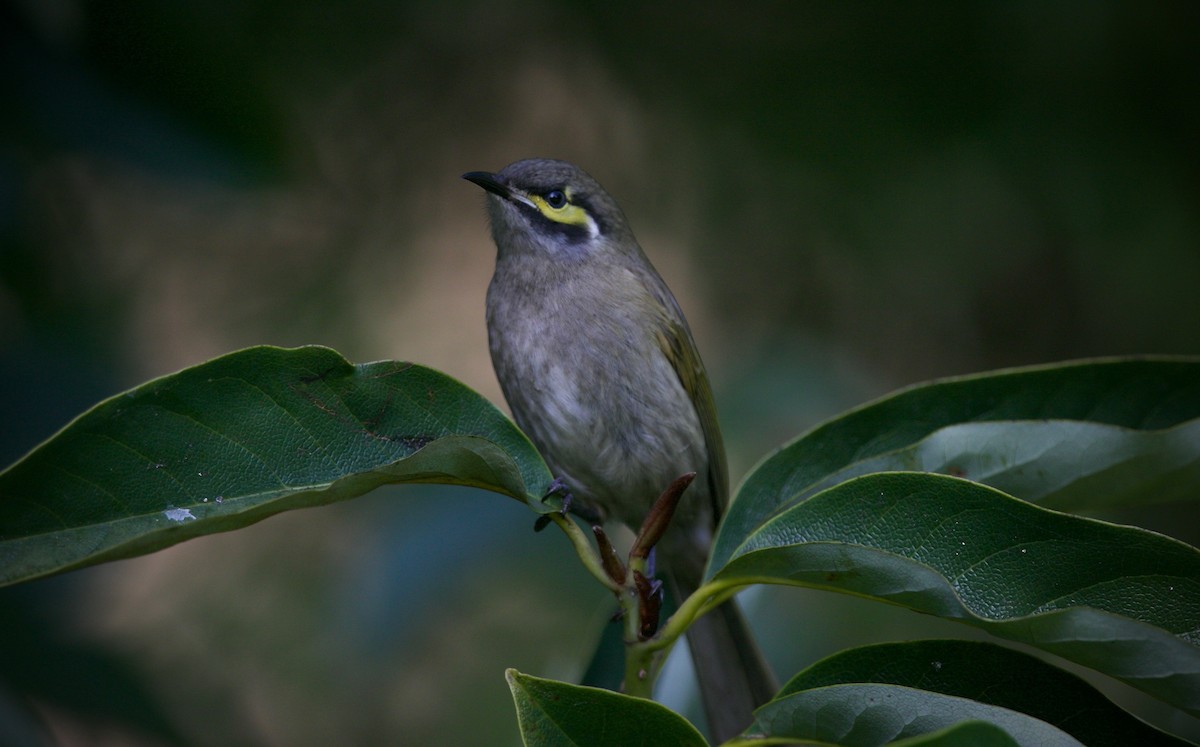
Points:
(846, 197)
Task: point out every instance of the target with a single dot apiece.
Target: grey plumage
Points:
(599, 368)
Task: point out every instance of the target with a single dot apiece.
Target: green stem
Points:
(583, 548)
(699, 602)
(642, 658)
(639, 675)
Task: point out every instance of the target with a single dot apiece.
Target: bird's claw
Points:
(559, 487)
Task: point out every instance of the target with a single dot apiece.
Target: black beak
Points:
(488, 181)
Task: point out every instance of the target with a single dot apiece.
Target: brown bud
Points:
(659, 518)
(608, 556)
(649, 605)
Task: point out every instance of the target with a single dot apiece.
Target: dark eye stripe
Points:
(573, 233)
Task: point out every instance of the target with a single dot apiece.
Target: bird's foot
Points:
(560, 488)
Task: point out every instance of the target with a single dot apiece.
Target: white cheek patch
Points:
(593, 229)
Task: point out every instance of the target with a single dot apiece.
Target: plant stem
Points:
(643, 657)
(583, 548)
(639, 678)
(699, 602)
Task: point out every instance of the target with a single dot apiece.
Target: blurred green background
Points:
(846, 198)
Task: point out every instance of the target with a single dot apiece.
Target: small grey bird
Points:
(600, 370)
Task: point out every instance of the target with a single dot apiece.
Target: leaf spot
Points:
(179, 514)
(415, 443)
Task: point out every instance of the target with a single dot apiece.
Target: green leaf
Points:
(554, 714)
(1079, 435)
(1121, 600)
(1060, 464)
(966, 734)
(963, 734)
(863, 715)
(239, 438)
(990, 674)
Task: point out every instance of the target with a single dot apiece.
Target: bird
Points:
(600, 369)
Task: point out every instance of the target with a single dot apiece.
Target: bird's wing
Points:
(677, 344)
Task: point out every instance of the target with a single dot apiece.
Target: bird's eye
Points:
(555, 198)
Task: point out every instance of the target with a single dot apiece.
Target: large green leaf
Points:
(961, 734)
(1121, 600)
(1079, 435)
(965, 734)
(865, 715)
(239, 438)
(557, 714)
(1062, 464)
(989, 674)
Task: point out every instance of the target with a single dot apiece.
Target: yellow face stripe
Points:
(570, 214)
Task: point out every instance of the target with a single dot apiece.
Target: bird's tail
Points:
(733, 676)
